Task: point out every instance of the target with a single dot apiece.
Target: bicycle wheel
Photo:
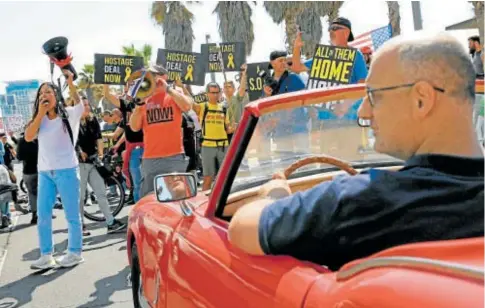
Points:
(116, 200)
(23, 187)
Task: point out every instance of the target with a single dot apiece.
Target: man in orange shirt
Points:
(160, 118)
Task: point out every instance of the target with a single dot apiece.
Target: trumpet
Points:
(141, 85)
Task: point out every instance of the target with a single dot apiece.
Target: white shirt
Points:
(195, 118)
(55, 147)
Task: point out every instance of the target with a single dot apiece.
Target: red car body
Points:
(187, 260)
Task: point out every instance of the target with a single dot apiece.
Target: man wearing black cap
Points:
(286, 81)
(340, 35)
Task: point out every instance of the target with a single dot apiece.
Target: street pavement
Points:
(101, 281)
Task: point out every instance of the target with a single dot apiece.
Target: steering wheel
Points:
(322, 159)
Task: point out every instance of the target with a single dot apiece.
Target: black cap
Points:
(342, 21)
(275, 55)
(157, 69)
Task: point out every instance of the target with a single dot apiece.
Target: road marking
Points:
(3, 257)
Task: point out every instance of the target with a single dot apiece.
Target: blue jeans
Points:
(67, 183)
(135, 171)
(4, 209)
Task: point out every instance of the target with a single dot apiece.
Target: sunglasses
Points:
(335, 28)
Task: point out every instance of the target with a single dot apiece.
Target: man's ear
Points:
(423, 99)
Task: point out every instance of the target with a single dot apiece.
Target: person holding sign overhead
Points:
(160, 119)
(340, 35)
(215, 127)
(235, 103)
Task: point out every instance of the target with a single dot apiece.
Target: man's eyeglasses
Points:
(370, 91)
(214, 92)
(335, 28)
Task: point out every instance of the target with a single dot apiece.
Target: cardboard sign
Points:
(186, 66)
(115, 69)
(255, 83)
(201, 98)
(233, 56)
(331, 66)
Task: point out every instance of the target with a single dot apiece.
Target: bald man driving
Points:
(420, 96)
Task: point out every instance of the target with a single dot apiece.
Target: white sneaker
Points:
(44, 262)
(69, 260)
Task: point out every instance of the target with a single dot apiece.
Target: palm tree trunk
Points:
(478, 6)
(394, 17)
(291, 29)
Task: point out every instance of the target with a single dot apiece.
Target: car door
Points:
(204, 270)
(158, 223)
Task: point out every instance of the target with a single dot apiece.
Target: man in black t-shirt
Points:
(438, 195)
(90, 148)
(133, 144)
(10, 153)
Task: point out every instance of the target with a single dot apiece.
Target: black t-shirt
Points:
(8, 156)
(89, 133)
(28, 152)
(432, 198)
(130, 135)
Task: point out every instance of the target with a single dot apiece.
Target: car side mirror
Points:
(175, 187)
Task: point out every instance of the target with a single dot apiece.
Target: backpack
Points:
(206, 110)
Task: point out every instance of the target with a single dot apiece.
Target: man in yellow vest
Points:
(215, 127)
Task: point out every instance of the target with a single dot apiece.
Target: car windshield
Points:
(283, 137)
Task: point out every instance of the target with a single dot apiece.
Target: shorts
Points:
(212, 158)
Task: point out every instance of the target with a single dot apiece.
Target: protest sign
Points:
(186, 66)
(201, 98)
(331, 66)
(255, 83)
(115, 69)
(233, 56)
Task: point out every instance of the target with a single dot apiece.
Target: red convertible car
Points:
(178, 245)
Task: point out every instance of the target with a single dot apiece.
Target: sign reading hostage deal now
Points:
(233, 56)
(331, 66)
(186, 66)
(115, 69)
(255, 83)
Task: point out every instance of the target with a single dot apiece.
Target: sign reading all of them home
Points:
(201, 98)
(331, 66)
(115, 69)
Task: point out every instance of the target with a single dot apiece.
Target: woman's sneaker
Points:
(116, 226)
(44, 262)
(69, 260)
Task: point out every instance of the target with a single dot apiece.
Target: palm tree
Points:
(235, 23)
(478, 8)
(176, 21)
(145, 52)
(305, 14)
(310, 22)
(394, 17)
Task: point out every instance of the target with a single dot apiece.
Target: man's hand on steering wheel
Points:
(277, 188)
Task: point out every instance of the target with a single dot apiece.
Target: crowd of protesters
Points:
(62, 143)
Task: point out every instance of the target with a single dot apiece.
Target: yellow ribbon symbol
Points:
(127, 73)
(230, 63)
(189, 74)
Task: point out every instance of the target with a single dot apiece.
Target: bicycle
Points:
(115, 190)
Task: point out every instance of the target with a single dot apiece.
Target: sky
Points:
(103, 27)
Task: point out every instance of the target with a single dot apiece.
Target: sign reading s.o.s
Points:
(331, 66)
(115, 69)
(186, 66)
(255, 83)
(201, 98)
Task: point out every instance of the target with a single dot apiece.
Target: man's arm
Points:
(297, 225)
(72, 88)
(119, 142)
(297, 66)
(243, 80)
(110, 97)
(183, 101)
(136, 119)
